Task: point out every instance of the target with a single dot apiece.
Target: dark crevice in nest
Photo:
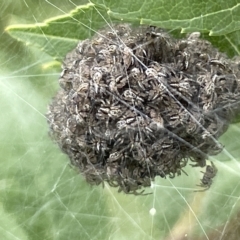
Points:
(137, 103)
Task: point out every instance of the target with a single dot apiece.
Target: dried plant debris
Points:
(135, 103)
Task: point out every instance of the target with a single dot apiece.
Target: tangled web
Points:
(135, 103)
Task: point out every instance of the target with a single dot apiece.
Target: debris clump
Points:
(135, 103)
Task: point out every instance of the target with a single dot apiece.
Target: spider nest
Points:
(135, 103)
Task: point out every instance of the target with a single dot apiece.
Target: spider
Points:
(130, 186)
(206, 181)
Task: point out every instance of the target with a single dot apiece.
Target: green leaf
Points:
(217, 17)
(58, 35)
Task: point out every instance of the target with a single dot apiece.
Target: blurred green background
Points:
(42, 197)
